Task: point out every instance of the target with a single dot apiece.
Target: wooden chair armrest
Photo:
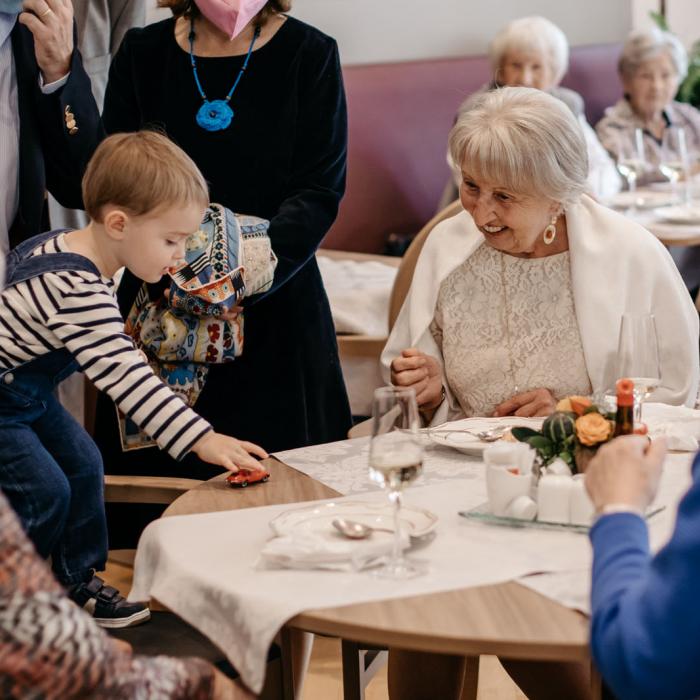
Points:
(146, 489)
(361, 346)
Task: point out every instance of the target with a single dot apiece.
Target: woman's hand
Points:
(414, 369)
(51, 25)
(626, 471)
(228, 452)
(538, 402)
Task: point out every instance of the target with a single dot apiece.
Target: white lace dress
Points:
(506, 325)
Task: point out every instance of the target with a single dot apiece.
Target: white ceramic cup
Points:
(553, 498)
(503, 487)
(581, 508)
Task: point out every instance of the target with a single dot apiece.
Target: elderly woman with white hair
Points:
(517, 301)
(652, 65)
(534, 52)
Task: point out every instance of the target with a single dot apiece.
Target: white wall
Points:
(373, 31)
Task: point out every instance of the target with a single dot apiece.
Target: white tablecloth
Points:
(203, 567)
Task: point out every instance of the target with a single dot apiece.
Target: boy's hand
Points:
(228, 452)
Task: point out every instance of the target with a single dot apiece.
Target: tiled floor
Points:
(324, 677)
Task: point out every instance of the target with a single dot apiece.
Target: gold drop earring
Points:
(550, 233)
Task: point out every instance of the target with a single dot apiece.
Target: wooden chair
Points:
(403, 280)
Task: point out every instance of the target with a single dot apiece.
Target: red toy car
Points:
(243, 478)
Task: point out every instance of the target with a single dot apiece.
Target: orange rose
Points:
(592, 429)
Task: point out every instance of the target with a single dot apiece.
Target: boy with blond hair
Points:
(58, 314)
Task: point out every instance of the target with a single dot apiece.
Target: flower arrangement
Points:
(572, 433)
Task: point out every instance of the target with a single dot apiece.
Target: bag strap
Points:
(22, 266)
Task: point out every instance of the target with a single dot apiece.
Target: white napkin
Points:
(679, 436)
(316, 550)
(680, 425)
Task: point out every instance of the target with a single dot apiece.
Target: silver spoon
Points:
(354, 530)
(484, 435)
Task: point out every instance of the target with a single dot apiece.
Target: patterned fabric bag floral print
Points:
(227, 259)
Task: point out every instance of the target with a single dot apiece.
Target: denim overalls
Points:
(50, 468)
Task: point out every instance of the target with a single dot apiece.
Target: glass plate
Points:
(417, 522)
(482, 513)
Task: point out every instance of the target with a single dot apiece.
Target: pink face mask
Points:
(230, 16)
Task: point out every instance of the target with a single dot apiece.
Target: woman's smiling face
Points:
(511, 222)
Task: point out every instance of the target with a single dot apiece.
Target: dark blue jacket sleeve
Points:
(66, 154)
(645, 626)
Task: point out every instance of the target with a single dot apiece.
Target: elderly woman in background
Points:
(651, 67)
(516, 302)
(533, 52)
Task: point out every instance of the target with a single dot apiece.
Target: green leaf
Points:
(567, 457)
(524, 434)
(543, 445)
(591, 409)
(660, 20)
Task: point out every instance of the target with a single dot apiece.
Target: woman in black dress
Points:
(281, 157)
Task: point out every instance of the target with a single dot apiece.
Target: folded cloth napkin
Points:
(679, 436)
(316, 550)
(680, 425)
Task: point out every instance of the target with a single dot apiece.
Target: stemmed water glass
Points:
(674, 159)
(631, 163)
(638, 357)
(395, 460)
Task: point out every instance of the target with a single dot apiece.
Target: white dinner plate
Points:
(679, 215)
(449, 435)
(318, 518)
(645, 199)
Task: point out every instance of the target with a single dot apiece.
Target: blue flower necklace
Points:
(216, 115)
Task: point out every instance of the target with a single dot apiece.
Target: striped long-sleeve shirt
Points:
(78, 311)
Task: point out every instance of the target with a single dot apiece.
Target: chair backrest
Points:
(404, 276)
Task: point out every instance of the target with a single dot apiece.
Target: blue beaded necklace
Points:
(216, 115)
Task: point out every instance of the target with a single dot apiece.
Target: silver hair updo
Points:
(532, 34)
(523, 140)
(649, 43)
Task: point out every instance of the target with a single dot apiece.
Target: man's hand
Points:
(538, 402)
(414, 369)
(228, 452)
(51, 24)
(626, 471)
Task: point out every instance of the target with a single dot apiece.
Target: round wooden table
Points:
(506, 620)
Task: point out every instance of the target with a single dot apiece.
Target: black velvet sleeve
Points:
(317, 181)
(121, 112)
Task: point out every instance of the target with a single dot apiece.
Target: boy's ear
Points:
(115, 223)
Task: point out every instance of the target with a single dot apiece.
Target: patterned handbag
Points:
(229, 258)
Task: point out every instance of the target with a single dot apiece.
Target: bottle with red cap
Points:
(624, 418)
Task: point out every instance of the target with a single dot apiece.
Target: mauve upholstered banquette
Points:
(400, 115)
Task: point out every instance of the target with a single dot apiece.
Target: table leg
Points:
(470, 684)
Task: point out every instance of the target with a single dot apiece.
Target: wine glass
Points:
(674, 159)
(395, 460)
(631, 163)
(638, 357)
